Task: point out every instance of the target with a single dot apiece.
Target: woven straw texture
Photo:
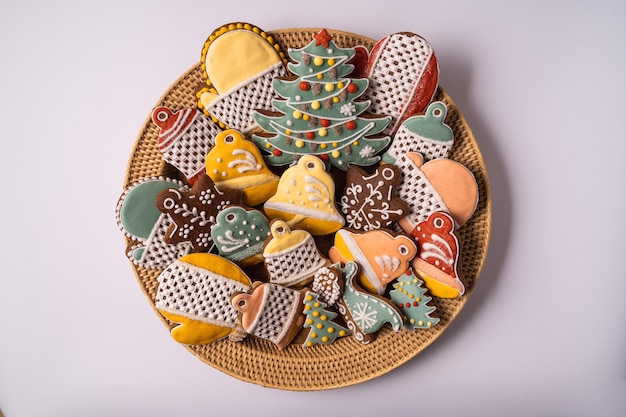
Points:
(346, 361)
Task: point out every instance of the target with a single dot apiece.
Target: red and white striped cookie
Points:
(403, 74)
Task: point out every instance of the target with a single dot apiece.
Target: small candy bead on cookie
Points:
(185, 137)
(139, 219)
(236, 163)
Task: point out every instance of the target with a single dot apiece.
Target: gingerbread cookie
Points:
(193, 212)
(328, 283)
(195, 292)
(369, 201)
(365, 313)
(239, 235)
(437, 185)
(185, 137)
(425, 133)
(236, 163)
(271, 312)
(319, 111)
(319, 319)
(305, 198)
(438, 255)
(381, 257)
(239, 62)
(139, 219)
(291, 257)
(404, 76)
(411, 297)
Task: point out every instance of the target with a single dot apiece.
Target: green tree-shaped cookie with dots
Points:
(410, 296)
(323, 330)
(318, 113)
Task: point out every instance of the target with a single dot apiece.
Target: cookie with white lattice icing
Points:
(140, 220)
(403, 74)
(369, 201)
(194, 292)
(239, 62)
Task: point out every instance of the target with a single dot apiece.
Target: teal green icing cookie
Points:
(239, 234)
(431, 125)
(137, 211)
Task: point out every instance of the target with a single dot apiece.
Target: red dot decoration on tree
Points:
(310, 135)
(352, 88)
(323, 157)
(304, 86)
(351, 125)
(277, 152)
(325, 122)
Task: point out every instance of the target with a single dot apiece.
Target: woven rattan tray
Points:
(346, 361)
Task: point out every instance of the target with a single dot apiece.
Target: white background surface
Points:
(540, 83)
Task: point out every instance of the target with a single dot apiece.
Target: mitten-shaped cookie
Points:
(139, 218)
(437, 185)
(404, 76)
(195, 292)
(239, 62)
(236, 163)
(271, 312)
(305, 198)
(185, 137)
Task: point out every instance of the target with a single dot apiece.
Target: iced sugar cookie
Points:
(291, 257)
(194, 212)
(305, 198)
(239, 62)
(195, 292)
(425, 133)
(437, 185)
(139, 219)
(412, 299)
(271, 312)
(403, 74)
(319, 319)
(319, 111)
(236, 163)
(381, 257)
(185, 137)
(239, 235)
(369, 201)
(438, 256)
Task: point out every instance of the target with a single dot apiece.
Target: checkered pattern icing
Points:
(280, 305)
(158, 254)
(417, 192)
(235, 108)
(198, 294)
(407, 141)
(395, 75)
(188, 152)
(299, 262)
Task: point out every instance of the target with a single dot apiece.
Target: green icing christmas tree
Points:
(323, 330)
(410, 296)
(318, 113)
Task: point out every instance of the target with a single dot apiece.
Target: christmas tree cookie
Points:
(410, 296)
(305, 198)
(323, 330)
(318, 112)
(424, 133)
(236, 163)
(239, 235)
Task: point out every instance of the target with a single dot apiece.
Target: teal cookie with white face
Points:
(239, 235)
(140, 220)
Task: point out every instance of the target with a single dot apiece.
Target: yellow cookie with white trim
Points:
(239, 62)
(195, 292)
